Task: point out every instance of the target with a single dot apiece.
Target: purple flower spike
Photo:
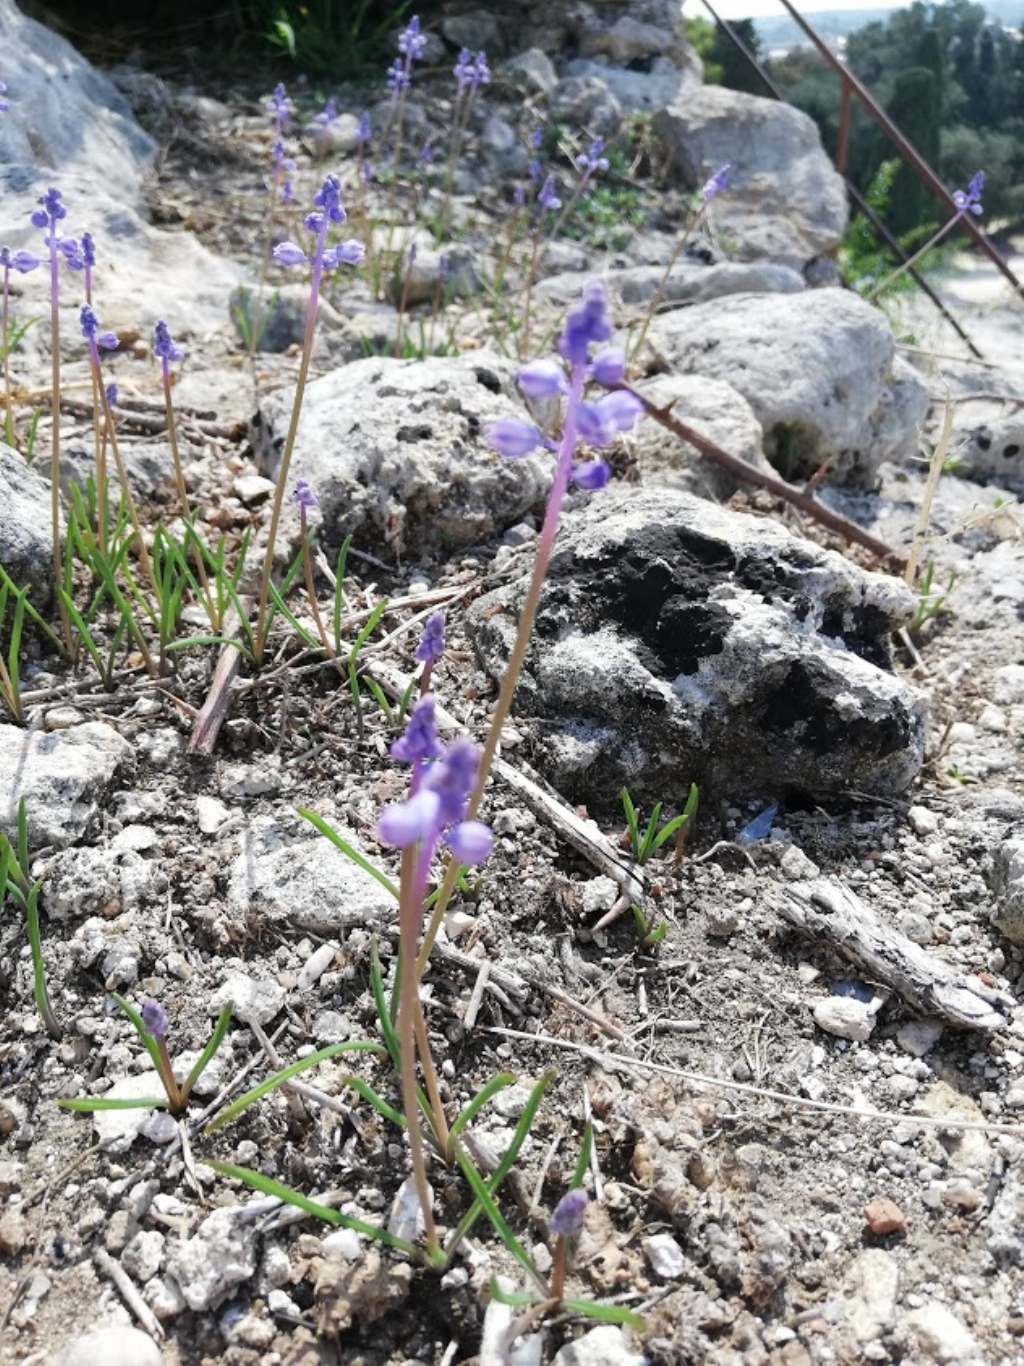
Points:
(91, 331)
(419, 742)
(512, 438)
(463, 69)
(111, 392)
(407, 823)
(363, 127)
(592, 162)
(304, 497)
(431, 646)
(51, 212)
(542, 378)
(280, 106)
(329, 113)
(969, 200)
(481, 70)
(21, 261)
(452, 778)
(718, 182)
(609, 365)
(471, 842)
(411, 42)
(398, 77)
(154, 1018)
(568, 1215)
(88, 249)
(163, 344)
(350, 253)
(585, 326)
(619, 410)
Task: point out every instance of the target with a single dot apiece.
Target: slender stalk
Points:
(440, 1120)
(58, 563)
(558, 1270)
(259, 640)
(530, 277)
(8, 408)
(179, 483)
(681, 245)
(933, 241)
(133, 511)
(514, 667)
(175, 1099)
(409, 914)
(307, 568)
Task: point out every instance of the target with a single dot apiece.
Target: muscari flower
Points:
(154, 1018)
(91, 331)
(329, 209)
(329, 113)
(363, 127)
(969, 200)
(411, 42)
(437, 807)
(718, 182)
(279, 105)
(568, 1215)
(398, 76)
(111, 393)
(163, 344)
(304, 496)
(592, 162)
(431, 646)
(50, 213)
(21, 261)
(419, 742)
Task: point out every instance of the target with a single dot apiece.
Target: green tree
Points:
(916, 108)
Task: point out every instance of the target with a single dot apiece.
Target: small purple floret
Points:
(154, 1018)
(568, 1215)
(542, 378)
(163, 344)
(419, 742)
(585, 326)
(21, 261)
(969, 200)
(431, 646)
(513, 438)
(111, 393)
(591, 474)
(718, 182)
(91, 331)
(304, 496)
(609, 365)
(407, 823)
(547, 198)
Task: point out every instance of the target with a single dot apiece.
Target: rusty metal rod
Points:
(862, 205)
(906, 149)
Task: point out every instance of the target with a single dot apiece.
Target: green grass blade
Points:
(216, 1039)
(6, 582)
(496, 1084)
(208, 640)
(135, 1018)
(387, 1024)
(86, 635)
(652, 825)
(306, 636)
(514, 1298)
(483, 1197)
(379, 697)
(339, 584)
(368, 630)
(668, 830)
(284, 1075)
(14, 651)
(268, 1186)
(38, 969)
(23, 863)
(631, 821)
(583, 1161)
(406, 699)
(357, 858)
(87, 1104)
(605, 1313)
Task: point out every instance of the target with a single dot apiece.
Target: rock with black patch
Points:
(993, 450)
(677, 642)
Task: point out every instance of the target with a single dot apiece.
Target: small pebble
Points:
(845, 1017)
(922, 821)
(665, 1256)
(884, 1216)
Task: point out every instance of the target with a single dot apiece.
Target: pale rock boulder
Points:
(677, 642)
(689, 282)
(992, 450)
(63, 776)
(819, 369)
(397, 451)
(785, 200)
(26, 539)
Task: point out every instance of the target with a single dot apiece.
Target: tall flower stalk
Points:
(434, 815)
(596, 423)
(713, 187)
(966, 201)
(328, 209)
(547, 202)
(280, 107)
(47, 217)
(304, 499)
(411, 45)
(22, 262)
(470, 74)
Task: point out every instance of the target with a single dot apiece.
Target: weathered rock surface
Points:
(26, 543)
(118, 1345)
(819, 369)
(785, 201)
(654, 88)
(676, 642)
(297, 875)
(1008, 886)
(717, 411)
(396, 450)
(992, 450)
(62, 775)
(687, 282)
(222, 1253)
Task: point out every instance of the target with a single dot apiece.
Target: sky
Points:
(751, 9)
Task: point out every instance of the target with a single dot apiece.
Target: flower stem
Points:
(933, 241)
(133, 511)
(259, 641)
(558, 1270)
(409, 914)
(179, 481)
(514, 667)
(681, 245)
(58, 564)
(8, 409)
(314, 606)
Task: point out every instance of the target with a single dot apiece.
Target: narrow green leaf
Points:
(606, 1313)
(204, 1059)
(514, 1298)
(268, 1186)
(583, 1161)
(631, 821)
(483, 1197)
(387, 1024)
(368, 630)
(648, 835)
(496, 1084)
(357, 858)
(149, 1043)
(187, 644)
(284, 1075)
(339, 584)
(89, 1103)
(307, 637)
(669, 829)
(42, 998)
(86, 635)
(23, 862)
